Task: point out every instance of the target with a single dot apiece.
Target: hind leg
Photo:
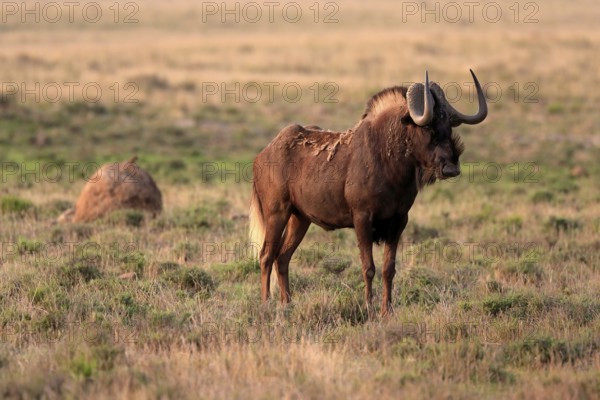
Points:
(294, 233)
(275, 224)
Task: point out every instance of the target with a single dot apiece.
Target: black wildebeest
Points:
(366, 178)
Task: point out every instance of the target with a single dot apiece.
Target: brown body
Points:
(366, 178)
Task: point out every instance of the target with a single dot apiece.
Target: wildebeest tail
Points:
(257, 223)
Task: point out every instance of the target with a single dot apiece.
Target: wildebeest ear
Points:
(406, 119)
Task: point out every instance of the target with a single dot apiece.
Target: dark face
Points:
(447, 146)
(438, 148)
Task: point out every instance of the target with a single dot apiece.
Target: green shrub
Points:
(542, 196)
(162, 319)
(335, 266)
(555, 108)
(192, 280)
(79, 270)
(187, 251)
(236, 271)
(513, 224)
(313, 255)
(528, 270)
(497, 304)
(134, 262)
(128, 217)
(498, 374)
(545, 349)
(15, 205)
(419, 233)
(130, 307)
(564, 184)
(494, 286)
(83, 366)
(134, 218)
(27, 246)
(106, 356)
(197, 218)
(167, 266)
(419, 286)
(350, 308)
(560, 224)
(55, 207)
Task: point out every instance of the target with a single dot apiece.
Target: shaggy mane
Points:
(385, 99)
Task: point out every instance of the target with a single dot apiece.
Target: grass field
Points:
(498, 283)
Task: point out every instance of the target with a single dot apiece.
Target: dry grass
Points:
(516, 315)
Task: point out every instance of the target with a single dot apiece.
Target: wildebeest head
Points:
(430, 119)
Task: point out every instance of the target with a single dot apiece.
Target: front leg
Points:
(363, 226)
(389, 263)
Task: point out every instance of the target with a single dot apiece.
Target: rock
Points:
(115, 186)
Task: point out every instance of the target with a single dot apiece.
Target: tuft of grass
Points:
(419, 233)
(133, 218)
(236, 271)
(561, 224)
(494, 286)
(80, 270)
(513, 224)
(419, 286)
(556, 108)
(162, 319)
(167, 266)
(27, 246)
(542, 196)
(83, 366)
(564, 185)
(134, 262)
(498, 304)
(499, 374)
(55, 207)
(528, 270)
(543, 349)
(187, 251)
(106, 356)
(335, 266)
(204, 217)
(192, 280)
(15, 205)
(312, 256)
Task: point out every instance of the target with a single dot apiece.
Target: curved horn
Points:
(459, 118)
(420, 116)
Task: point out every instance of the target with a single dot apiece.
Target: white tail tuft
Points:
(257, 234)
(257, 224)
